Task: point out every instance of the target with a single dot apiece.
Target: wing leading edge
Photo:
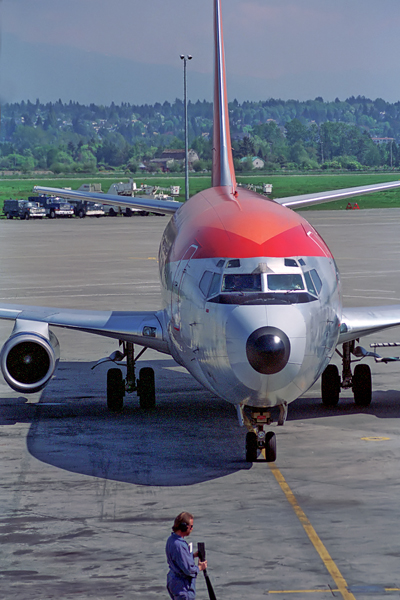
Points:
(358, 322)
(142, 203)
(330, 196)
(143, 328)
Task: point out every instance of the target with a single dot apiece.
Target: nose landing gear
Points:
(258, 438)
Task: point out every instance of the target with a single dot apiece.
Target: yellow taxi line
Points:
(312, 534)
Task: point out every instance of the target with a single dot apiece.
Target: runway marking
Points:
(312, 534)
(330, 591)
(142, 258)
(375, 439)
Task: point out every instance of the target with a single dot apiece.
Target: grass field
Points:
(289, 185)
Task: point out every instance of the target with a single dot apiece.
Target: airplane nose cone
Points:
(268, 350)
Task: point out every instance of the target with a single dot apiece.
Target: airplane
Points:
(251, 301)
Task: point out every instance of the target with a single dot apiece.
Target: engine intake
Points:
(29, 357)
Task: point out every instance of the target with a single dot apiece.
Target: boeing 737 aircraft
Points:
(251, 301)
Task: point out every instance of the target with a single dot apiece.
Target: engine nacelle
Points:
(30, 356)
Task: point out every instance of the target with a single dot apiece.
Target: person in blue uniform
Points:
(181, 578)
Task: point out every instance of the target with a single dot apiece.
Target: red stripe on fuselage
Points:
(247, 225)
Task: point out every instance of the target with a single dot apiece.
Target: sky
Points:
(103, 51)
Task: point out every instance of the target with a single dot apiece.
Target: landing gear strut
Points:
(360, 381)
(117, 386)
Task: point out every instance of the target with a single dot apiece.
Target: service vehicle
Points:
(83, 208)
(31, 210)
(23, 209)
(11, 208)
(54, 206)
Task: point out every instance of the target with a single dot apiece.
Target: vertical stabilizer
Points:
(223, 173)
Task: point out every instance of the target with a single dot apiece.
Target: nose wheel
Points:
(259, 440)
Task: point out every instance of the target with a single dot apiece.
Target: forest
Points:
(314, 135)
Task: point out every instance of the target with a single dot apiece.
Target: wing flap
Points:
(358, 322)
(144, 328)
(331, 196)
(142, 203)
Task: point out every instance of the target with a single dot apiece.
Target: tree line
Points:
(314, 134)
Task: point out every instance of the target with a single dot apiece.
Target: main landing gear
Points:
(360, 381)
(258, 438)
(118, 386)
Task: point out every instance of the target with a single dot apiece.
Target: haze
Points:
(128, 50)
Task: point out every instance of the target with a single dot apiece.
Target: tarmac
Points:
(87, 498)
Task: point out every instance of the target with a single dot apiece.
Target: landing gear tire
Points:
(251, 447)
(115, 390)
(330, 386)
(146, 389)
(362, 385)
(270, 447)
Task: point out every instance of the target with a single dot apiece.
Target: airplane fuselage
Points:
(252, 297)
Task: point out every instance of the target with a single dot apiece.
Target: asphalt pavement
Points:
(87, 498)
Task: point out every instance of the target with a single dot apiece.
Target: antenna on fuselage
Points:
(223, 172)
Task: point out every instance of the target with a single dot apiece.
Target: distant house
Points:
(382, 140)
(257, 163)
(179, 155)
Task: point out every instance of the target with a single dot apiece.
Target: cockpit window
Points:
(210, 283)
(287, 282)
(310, 284)
(242, 283)
(215, 285)
(313, 282)
(205, 282)
(316, 279)
(234, 263)
(290, 262)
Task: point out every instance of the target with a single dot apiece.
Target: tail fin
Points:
(223, 172)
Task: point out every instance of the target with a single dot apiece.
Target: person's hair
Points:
(183, 517)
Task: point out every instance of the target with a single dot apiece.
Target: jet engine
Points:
(30, 356)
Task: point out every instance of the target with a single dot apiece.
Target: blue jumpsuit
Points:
(181, 578)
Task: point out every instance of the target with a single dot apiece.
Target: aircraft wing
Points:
(143, 328)
(140, 202)
(331, 196)
(358, 322)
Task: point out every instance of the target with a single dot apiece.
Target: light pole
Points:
(185, 59)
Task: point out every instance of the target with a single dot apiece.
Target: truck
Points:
(84, 208)
(122, 189)
(111, 211)
(54, 207)
(23, 209)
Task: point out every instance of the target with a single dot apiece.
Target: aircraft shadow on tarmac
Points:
(191, 437)
(384, 405)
